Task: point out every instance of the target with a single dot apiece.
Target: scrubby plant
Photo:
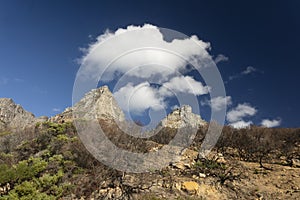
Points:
(4, 133)
(7, 158)
(24, 170)
(27, 191)
(7, 174)
(35, 178)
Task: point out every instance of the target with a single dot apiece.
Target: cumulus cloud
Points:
(136, 56)
(221, 58)
(126, 48)
(241, 124)
(239, 112)
(138, 98)
(270, 123)
(183, 84)
(218, 103)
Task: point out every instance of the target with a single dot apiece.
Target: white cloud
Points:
(139, 45)
(270, 123)
(56, 110)
(240, 124)
(221, 58)
(218, 103)
(248, 70)
(138, 98)
(139, 55)
(241, 111)
(183, 84)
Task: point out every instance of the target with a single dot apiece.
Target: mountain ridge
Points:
(14, 117)
(96, 105)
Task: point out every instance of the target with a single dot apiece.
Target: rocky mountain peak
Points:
(99, 103)
(183, 117)
(13, 116)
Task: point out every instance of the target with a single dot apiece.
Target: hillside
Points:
(46, 160)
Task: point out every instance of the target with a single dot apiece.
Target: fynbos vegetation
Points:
(52, 163)
(47, 160)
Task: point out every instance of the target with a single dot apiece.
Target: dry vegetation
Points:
(48, 161)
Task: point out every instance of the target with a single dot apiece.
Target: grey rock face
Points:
(100, 103)
(97, 104)
(65, 116)
(13, 116)
(183, 117)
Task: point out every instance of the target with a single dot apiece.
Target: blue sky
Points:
(40, 41)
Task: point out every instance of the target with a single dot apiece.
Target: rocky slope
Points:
(53, 163)
(99, 103)
(183, 117)
(56, 165)
(14, 117)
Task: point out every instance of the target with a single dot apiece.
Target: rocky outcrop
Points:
(65, 116)
(13, 116)
(183, 117)
(187, 159)
(99, 103)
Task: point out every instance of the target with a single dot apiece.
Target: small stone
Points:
(177, 186)
(179, 165)
(295, 163)
(201, 175)
(220, 158)
(190, 187)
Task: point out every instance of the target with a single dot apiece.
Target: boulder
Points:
(191, 187)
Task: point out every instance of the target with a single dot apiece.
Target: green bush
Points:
(29, 180)
(28, 191)
(56, 128)
(26, 169)
(7, 174)
(29, 168)
(209, 164)
(5, 133)
(7, 158)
